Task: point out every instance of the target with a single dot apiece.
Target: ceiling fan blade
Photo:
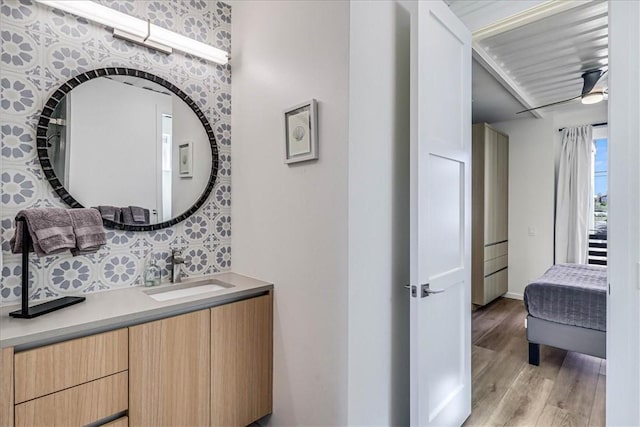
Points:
(590, 79)
(602, 83)
(549, 105)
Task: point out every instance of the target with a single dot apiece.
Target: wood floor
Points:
(567, 389)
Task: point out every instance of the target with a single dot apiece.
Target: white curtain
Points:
(574, 201)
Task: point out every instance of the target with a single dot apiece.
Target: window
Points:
(600, 176)
(600, 186)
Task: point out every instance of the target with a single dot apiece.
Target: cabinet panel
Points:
(493, 265)
(241, 361)
(490, 212)
(120, 422)
(495, 285)
(169, 365)
(502, 192)
(495, 251)
(76, 406)
(6, 386)
(490, 185)
(59, 366)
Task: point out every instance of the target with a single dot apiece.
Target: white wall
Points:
(378, 213)
(113, 144)
(533, 147)
(531, 196)
(623, 309)
(187, 127)
(290, 222)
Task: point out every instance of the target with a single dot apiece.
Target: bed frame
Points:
(566, 337)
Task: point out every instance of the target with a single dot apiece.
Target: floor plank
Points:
(597, 418)
(480, 359)
(519, 407)
(553, 416)
(567, 389)
(491, 385)
(575, 386)
(603, 368)
(489, 316)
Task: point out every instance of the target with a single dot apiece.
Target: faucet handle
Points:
(176, 257)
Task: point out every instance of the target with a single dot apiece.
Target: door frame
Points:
(623, 303)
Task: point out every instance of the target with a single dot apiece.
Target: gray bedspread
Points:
(571, 294)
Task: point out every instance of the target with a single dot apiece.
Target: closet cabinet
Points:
(490, 214)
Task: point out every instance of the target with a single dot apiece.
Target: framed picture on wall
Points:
(301, 133)
(185, 160)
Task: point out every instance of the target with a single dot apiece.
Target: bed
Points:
(567, 308)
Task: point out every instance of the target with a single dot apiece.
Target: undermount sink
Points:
(187, 290)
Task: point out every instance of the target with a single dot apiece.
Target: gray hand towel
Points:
(127, 218)
(110, 213)
(138, 214)
(51, 231)
(87, 226)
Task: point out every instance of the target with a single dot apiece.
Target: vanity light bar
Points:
(137, 30)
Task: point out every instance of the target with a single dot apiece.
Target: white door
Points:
(441, 221)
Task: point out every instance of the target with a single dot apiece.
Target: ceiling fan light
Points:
(592, 97)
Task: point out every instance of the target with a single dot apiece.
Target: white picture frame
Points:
(185, 159)
(301, 132)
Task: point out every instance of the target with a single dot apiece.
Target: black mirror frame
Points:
(61, 191)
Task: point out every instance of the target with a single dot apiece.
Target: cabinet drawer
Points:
(495, 285)
(77, 406)
(493, 265)
(120, 422)
(56, 367)
(496, 250)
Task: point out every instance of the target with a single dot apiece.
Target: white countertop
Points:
(114, 309)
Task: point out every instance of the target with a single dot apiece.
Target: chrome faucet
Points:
(176, 262)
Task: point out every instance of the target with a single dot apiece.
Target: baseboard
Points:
(513, 295)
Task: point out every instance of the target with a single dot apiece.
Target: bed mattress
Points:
(571, 294)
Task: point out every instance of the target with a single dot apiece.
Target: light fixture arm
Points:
(148, 30)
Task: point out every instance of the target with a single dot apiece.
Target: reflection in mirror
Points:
(116, 142)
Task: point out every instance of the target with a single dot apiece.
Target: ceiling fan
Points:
(594, 90)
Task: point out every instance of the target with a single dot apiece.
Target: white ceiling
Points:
(491, 101)
(535, 59)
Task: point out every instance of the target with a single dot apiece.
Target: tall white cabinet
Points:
(490, 214)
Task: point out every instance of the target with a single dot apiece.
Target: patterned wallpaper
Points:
(40, 49)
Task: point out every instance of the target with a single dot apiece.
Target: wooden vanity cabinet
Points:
(72, 383)
(76, 406)
(169, 364)
(208, 367)
(241, 361)
(6, 386)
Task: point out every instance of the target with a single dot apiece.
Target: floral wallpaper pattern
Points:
(40, 48)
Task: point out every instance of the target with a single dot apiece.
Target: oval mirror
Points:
(130, 144)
